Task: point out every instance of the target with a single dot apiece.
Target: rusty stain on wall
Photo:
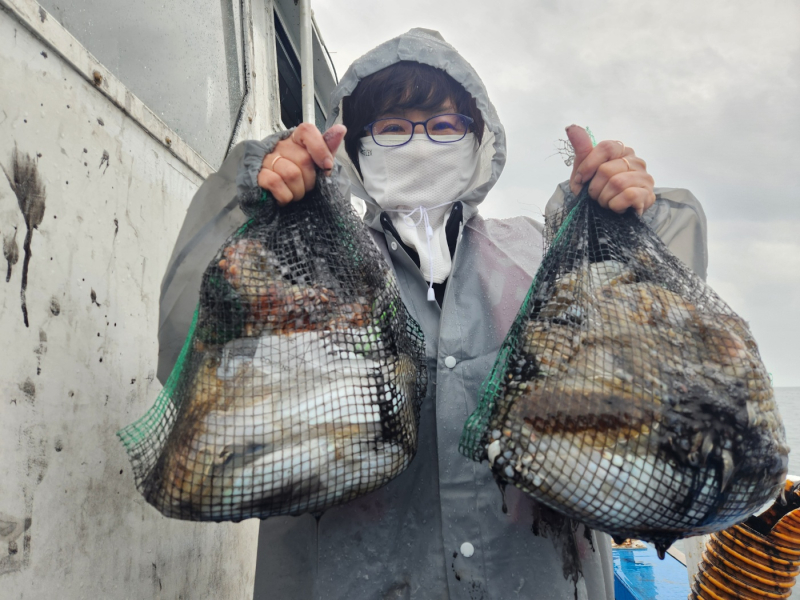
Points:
(11, 528)
(32, 444)
(30, 192)
(104, 158)
(29, 389)
(157, 586)
(10, 252)
(40, 350)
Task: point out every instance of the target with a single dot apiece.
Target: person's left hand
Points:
(619, 177)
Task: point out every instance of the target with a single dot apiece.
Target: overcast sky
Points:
(708, 93)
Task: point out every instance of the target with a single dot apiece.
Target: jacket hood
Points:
(427, 47)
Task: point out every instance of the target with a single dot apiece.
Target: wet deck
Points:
(640, 575)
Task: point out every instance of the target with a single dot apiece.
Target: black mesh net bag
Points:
(300, 382)
(627, 395)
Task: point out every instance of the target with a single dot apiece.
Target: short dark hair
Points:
(402, 86)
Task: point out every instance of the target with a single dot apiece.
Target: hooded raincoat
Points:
(442, 529)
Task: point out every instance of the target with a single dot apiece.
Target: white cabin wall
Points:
(262, 115)
(72, 524)
(265, 100)
(693, 551)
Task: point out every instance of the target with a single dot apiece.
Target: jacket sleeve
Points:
(212, 216)
(676, 217)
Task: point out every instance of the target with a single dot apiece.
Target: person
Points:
(423, 146)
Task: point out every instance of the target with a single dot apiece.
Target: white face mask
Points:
(417, 184)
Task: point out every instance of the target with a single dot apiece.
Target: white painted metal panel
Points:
(71, 522)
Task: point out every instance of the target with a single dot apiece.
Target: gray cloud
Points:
(706, 92)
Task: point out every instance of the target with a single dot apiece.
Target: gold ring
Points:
(274, 160)
(623, 158)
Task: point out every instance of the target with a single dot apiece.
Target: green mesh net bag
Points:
(627, 394)
(300, 382)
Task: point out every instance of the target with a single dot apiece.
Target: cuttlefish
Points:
(301, 405)
(637, 412)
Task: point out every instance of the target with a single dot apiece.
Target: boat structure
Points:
(112, 114)
(759, 558)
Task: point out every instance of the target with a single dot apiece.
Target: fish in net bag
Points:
(627, 395)
(299, 385)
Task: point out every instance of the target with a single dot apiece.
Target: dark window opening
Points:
(289, 82)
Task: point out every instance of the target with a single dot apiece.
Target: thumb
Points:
(581, 143)
(333, 137)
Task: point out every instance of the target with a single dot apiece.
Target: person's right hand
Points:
(289, 171)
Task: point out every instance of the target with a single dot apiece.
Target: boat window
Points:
(184, 60)
(289, 82)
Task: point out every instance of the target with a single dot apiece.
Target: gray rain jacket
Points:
(405, 540)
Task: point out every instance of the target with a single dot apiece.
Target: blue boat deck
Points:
(640, 575)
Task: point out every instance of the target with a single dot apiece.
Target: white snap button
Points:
(394, 245)
(467, 549)
(450, 362)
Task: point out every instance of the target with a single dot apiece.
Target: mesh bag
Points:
(627, 394)
(299, 385)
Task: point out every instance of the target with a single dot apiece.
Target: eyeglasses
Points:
(442, 129)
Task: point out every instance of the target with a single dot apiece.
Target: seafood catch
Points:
(298, 388)
(286, 424)
(628, 407)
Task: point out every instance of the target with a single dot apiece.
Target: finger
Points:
(582, 145)
(302, 160)
(630, 197)
(298, 155)
(609, 171)
(604, 152)
(334, 136)
(622, 181)
(604, 174)
(649, 198)
(274, 184)
(292, 176)
(309, 138)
